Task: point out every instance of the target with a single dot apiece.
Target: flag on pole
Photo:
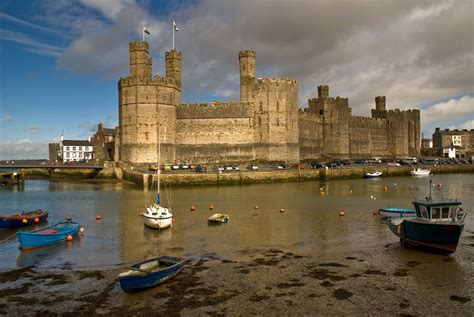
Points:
(145, 30)
(175, 26)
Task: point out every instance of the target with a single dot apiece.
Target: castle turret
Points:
(140, 61)
(380, 110)
(173, 66)
(323, 91)
(247, 73)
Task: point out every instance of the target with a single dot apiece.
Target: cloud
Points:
(32, 45)
(34, 129)
(109, 8)
(24, 149)
(9, 18)
(5, 117)
(411, 52)
(466, 125)
(449, 110)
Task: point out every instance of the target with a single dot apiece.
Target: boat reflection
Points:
(157, 236)
(36, 257)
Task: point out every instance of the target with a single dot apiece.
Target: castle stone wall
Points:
(310, 135)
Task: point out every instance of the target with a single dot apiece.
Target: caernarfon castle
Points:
(267, 123)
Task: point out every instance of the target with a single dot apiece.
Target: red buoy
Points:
(193, 208)
(36, 220)
(98, 217)
(69, 238)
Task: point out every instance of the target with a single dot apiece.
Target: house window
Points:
(67, 154)
(73, 148)
(80, 154)
(67, 148)
(80, 148)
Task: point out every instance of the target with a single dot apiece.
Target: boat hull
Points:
(47, 236)
(23, 220)
(158, 223)
(441, 237)
(373, 175)
(151, 279)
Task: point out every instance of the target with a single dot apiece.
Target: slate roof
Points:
(76, 143)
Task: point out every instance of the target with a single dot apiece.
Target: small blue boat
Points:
(47, 236)
(396, 212)
(150, 273)
(23, 219)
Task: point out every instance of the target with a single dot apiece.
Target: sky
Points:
(60, 60)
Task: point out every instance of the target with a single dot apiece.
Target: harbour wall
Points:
(293, 175)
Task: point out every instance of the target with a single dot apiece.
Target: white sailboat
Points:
(155, 215)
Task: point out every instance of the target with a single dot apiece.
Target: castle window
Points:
(261, 106)
(278, 106)
(278, 121)
(259, 121)
(320, 112)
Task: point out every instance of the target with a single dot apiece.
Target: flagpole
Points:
(143, 34)
(173, 34)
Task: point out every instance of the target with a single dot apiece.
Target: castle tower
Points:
(323, 91)
(140, 62)
(147, 108)
(247, 73)
(173, 65)
(380, 110)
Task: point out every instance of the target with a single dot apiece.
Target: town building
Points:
(267, 123)
(71, 151)
(454, 143)
(103, 142)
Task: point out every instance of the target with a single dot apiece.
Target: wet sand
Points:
(265, 282)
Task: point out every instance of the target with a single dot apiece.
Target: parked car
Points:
(317, 165)
(276, 166)
(218, 168)
(175, 167)
(235, 167)
(359, 162)
(152, 167)
(393, 163)
(184, 166)
(252, 167)
(200, 168)
(298, 165)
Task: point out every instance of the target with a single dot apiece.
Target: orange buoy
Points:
(282, 210)
(98, 217)
(193, 208)
(321, 193)
(141, 214)
(24, 221)
(385, 189)
(211, 207)
(341, 214)
(173, 220)
(82, 229)
(36, 220)
(256, 207)
(69, 238)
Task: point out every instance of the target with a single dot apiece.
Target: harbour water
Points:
(310, 223)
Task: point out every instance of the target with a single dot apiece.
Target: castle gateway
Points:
(265, 125)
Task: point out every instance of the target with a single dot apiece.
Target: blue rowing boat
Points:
(150, 273)
(47, 236)
(23, 219)
(396, 212)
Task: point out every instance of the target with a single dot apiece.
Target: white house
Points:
(76, 150)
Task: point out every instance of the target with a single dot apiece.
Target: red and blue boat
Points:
(24, 219)
(150, 273)
(47, 236)
(437, 225)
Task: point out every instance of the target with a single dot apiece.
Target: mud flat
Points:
(261, 282)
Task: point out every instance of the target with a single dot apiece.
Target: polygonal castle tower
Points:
(147, 107)
(275, 110)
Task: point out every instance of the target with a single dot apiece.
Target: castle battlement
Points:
(133, 46)
(157, 81)
(173, 54)
(247, 53)
(277, 81)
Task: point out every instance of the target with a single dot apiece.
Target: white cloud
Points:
(5, 117)
(109, 8)
(466, 125)
(449, 110)
(24, 149)
(32, 45)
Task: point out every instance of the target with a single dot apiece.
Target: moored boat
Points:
(23, 219)
(396, 212)
(437, 225)
(373, 174)
(157, 217)
(47, 236)
(218, 218)
(420, 172)
(150, 273)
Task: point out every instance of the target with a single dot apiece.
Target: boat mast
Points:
(431, 181)
(158, 171)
